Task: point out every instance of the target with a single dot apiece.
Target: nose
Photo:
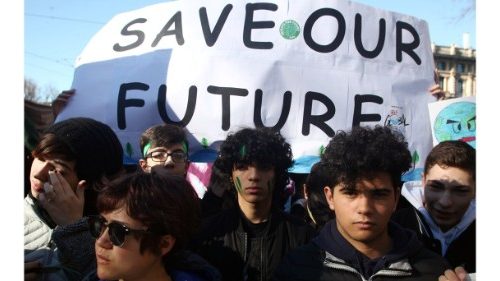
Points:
(364, 205)
(169, 162)
(253, 173)
(43, 172)
(445, 200)
(103, 240)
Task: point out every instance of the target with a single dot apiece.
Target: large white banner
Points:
(306, 68)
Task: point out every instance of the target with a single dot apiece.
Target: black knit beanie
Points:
(97, 148)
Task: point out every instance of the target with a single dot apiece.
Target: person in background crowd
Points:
(442, 206)
(318, 212)
(247, 242)
(165, 145)
(144, 226)
(72, 159)
(360, 243)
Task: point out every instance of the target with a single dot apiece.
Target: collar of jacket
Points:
(405, 244)
(44, 216)
(396, 269)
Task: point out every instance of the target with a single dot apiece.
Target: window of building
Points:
(441, 65)
(441, 82)
(460, 88)
(460, 68)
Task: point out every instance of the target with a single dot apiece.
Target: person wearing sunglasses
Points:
(144, 225)
(165, 145)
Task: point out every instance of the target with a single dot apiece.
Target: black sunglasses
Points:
(116, 230)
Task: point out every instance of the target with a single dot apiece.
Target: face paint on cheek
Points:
(237, 184)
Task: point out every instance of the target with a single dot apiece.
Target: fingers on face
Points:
(47, 187)
(46, 198)
(49, 193)
(53, 177)
(58, 182)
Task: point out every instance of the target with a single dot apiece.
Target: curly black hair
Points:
(262, 147)
(364, 151)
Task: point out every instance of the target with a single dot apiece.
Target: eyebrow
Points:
(347, 188)
(164, 149)
(472, 119)
(62, 163)
(117, 221)
(444, 183)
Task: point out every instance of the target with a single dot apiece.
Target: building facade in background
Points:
(456, 67)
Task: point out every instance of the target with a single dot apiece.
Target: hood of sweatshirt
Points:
(405, 244)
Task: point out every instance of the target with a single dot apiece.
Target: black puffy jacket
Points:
(225, 244)
(461, 252)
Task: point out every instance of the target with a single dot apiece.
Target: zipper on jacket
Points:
(390, 273)
(335, 263)
(341, 266)
(245, 247)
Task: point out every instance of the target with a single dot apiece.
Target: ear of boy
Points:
(143, 164)
(167, 242)
(329, 197)
(397, 194)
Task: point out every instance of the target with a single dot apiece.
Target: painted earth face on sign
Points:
(457, 122)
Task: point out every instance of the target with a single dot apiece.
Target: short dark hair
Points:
(94, 147)
(364, 151)
(318, 178)
(165, 203)
(452, 153)
(262, 147)
(163, 135)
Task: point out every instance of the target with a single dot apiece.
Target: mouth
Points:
(468, 139)
(364, 224)
(253, 189)
(442, 215)
(101, 259)
(37, 187)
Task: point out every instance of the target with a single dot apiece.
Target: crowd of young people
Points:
(89, 218)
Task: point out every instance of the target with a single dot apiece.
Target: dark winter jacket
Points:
(330, 257)
(460, 252)
(226, 243)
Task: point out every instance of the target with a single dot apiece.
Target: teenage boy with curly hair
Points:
(247, 241)
(361, 243)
